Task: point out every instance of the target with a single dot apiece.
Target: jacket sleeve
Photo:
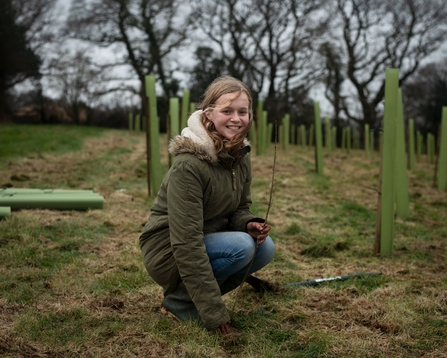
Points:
(239, 219)
(185, 213)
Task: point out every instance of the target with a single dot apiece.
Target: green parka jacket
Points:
(202, 193)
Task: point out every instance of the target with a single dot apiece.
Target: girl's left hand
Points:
(258, 231)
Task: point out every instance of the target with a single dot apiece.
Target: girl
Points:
(201, 236)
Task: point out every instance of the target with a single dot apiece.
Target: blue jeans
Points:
(230, 252)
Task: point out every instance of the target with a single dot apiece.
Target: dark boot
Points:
(180, 304)
(259, 285)
(231, 283)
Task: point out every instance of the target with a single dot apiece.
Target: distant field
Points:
(73, 283)
(21, 140)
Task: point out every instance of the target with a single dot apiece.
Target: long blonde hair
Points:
(220, 86)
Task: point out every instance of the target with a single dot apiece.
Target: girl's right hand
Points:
(223, 329)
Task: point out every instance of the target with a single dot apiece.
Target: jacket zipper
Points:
(234, 178)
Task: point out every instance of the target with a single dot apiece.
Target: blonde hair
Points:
(220, 86)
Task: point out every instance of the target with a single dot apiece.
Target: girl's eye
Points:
(243, 113)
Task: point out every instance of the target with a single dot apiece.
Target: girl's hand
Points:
(223, 329)
(258, 231)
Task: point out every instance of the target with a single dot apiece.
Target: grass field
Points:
(73, 284)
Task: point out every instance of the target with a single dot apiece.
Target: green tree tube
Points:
(411, 149)
(281, 135)
(185, 109)
(328, 135)
(153, 143)
(137, 123)
(286, 129)
(357, 138)
(20, 191)
(252, 134)
(261, 131)
(343, 138)
(303, 135)
(311, 135)
(174, 125)
(59, 201)
(269, 133)
(192, 108)
(348, 140)
(334, 138)
(131, 122)
(428, 147)
(318, 140)
(264, 131)
(388, 161)
(432, 148)
(418, 146)
(442, 161)
(293, 134)
(400, 166)
(366, 141)
(5, 211)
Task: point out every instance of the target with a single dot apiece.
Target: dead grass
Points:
(105, 305)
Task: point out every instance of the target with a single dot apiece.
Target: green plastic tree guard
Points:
(348, 140)
(57, 201)
(252, 134)
(5, 211)
(366, 140)
(192, 108)
(130, 122)
(402, 196)
(343, 138)
(388, 161)
(328, 135)
(418, 146)
(269, 133)
(334, 138)
(27, 191)
(137, 123)
(318, 140)
(311, 135)
(174, 125)
(185, 109)
(432, 148)
(303, 135)
(156, 170)
(286, 133)
(442, 161)
(411, 150)
(262, 123)
(293, 134)
(264, 129)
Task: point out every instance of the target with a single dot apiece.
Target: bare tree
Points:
(425, 94)
(24, 29)
(379, 34)
(148, 31)
(265, 43)
(79, 81)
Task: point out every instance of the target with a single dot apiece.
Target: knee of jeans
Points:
(246, 245)
(267, 249)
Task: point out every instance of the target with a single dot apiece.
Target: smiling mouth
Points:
(233, 127)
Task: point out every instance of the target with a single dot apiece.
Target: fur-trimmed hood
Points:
(194, 139)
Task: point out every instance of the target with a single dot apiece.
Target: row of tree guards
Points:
(397, 154)
(55, 199)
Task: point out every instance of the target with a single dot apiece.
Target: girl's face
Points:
(230, 114)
